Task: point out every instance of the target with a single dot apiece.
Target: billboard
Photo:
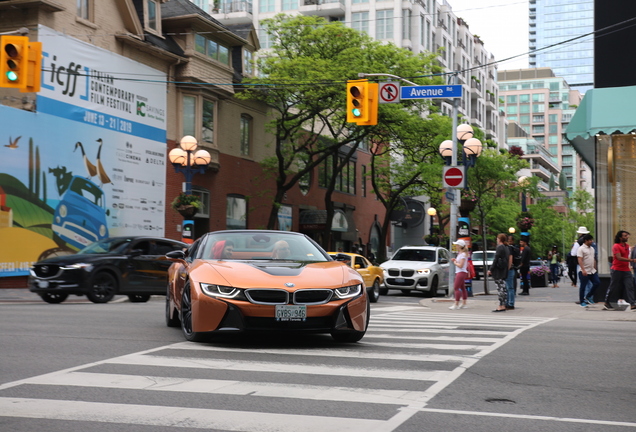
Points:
(89, 163)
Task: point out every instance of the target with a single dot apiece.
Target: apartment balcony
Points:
(491, 102)
(235, 12)
(324, 8)
(475, 89)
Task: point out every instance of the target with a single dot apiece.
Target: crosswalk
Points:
(408, 356)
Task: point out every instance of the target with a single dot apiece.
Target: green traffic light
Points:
(12, 76)
(356, 112)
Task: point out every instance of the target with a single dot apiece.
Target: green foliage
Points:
(183, 200)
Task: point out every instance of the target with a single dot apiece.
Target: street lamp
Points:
(523, 181)
(186, 159)
(431, 212)
(189, 161)
(511, 230)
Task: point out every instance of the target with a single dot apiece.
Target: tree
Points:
(303, 81)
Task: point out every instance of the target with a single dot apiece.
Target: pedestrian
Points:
(511, 279)
(461, 273)
(524, 266)
(554, 258)
(499, 270)
(587, 263)
(621, 275)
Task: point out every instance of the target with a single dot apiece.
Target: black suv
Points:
(132, 266)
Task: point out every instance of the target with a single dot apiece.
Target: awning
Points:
(317, 220)
(606, 110)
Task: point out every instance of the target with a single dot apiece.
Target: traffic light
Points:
(14, 54)
(362, 102)
(34, 68)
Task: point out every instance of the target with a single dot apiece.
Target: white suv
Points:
(421, 268)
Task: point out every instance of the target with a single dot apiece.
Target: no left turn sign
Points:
(389, 92)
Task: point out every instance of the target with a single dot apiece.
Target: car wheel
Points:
(432, 292)
(138, 298)
(405, 291)
(374, 292)
(54, 298)
(186, 317)
(352, 336)
(174, 320)
(103, 288)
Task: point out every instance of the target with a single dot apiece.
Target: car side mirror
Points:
(357, 266)
(443, 261)
(176, 255)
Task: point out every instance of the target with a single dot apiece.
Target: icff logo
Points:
(141, 108)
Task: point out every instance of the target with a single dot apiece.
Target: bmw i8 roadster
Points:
(256, 280)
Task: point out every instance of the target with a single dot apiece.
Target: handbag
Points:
(471, 270)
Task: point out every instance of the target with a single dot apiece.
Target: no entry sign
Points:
(453, 177)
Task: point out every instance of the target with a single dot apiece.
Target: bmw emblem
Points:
(290, 285)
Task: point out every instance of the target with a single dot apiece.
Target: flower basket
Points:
(186, 205)
(539, 276)
(525, 221)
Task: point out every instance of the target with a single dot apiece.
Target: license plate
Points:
(43, 284)
(399, 280)
(291, 312)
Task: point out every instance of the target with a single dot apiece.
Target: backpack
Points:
(571, 260)
(516, 257)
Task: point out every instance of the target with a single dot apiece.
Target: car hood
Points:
(407, 264)
(77, 258)
(275, 274)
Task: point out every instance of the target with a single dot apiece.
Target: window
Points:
(236, 212)
(511, 109)
(289, 5)
(406, 24)
(384, 24)
(538, 129)
(553, 118)
(364, 181)
(360, 21)
(524, 98)
(246, 134)
(248, 67)
(266, 6)
(538, 108)
(553, 128)
(538, 97)
(360, 1)
(524, 109)
(198, 115)
(264, 37)
(153, 19)
(538, 119)
(211, 49)
(524, 119)
(85, 9)
(346, 179)
(512, 99)
(204, 196)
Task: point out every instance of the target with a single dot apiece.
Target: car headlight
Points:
(63, 211)
(102, 231)
(349, 291)
(424, 271)
(77, 266)
(220, 290)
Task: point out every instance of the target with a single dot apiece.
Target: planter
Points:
(187, 211)
(539, 281)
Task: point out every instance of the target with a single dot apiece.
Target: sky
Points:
(501, 24)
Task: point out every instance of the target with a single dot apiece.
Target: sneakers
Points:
(453, 307)
(584, 304)
(622, 302)
(607, 306)
(589, 301)
(466, 306)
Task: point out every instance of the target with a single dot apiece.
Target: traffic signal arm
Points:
(34, 68)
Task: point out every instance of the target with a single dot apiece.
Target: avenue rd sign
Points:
(431, 92)
(453, 177)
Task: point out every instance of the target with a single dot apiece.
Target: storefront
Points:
(603, 132)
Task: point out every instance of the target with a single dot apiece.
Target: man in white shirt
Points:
(587, 263)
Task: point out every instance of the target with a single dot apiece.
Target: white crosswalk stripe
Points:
(427, 351)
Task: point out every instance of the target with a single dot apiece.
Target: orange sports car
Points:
(256, 280)
(372, 275)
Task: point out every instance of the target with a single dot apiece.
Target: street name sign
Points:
(453, 177)
(431, 92)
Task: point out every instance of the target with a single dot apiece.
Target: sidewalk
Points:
(542, 302)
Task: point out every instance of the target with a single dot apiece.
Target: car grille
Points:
(278, 296)
(404, 273)
(46, 271)
(403, 282)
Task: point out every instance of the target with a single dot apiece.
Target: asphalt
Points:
(543, 302)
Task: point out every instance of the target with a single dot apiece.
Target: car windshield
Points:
(480, 256)
(245, 245)
(106, 246)
(414, 255)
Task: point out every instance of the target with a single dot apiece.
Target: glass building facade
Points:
(555, 21)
